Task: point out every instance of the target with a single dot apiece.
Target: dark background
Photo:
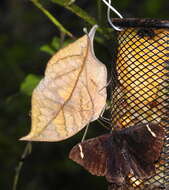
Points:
(23, 30)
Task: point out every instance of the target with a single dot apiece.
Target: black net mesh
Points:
(140, 95)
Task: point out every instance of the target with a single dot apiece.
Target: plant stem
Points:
(99, 10)
(83, 15)
(52, 18)
(76, 10)
(25, 153)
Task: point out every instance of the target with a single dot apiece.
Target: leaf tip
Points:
(26, 138)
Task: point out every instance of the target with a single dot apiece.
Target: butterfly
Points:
(72, 93)
(132, 150)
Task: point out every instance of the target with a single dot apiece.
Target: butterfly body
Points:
(117, 158)
(132, 150)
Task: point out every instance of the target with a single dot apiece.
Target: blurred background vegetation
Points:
(27, 40)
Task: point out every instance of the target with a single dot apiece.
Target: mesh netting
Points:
(140, 95)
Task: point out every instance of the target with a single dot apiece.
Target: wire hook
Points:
(108, 14)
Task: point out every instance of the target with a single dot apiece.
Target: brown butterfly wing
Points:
(115, 155)
(144, 144)
(118, 166)
(92, 155)
(141, 168)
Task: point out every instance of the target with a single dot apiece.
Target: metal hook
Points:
(108, 14)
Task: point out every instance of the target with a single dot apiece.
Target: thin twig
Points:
(76, 10)
(52, 18)
(62, 39)
(99, 10)
(25, 153)
(83, 15)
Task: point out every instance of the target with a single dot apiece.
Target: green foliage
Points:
(29, 83)
(55, 45)
(153, 6)
(47, 49)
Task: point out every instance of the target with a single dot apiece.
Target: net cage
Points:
(140, 92)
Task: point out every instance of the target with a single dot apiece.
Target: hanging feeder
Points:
(140, 86)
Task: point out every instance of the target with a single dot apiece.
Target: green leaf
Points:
(29, 83)
(47, 49)
(52, 47)
(56, 43)
(67, 42)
